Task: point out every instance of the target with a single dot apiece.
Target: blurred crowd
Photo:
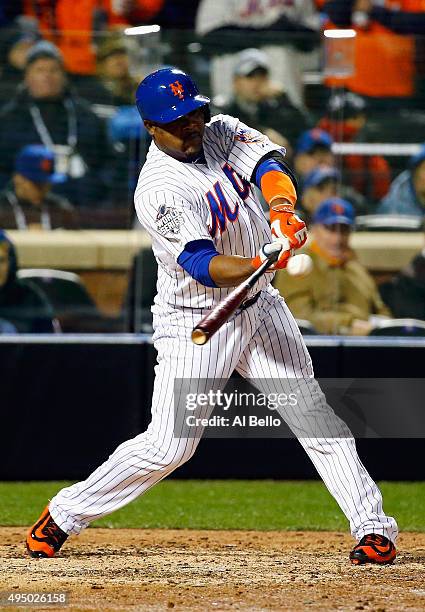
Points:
(72, 143)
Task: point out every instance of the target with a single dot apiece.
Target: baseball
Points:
(300, 265)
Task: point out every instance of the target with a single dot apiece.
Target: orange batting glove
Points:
(286, 224)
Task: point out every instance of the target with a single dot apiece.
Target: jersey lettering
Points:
(253, 7)
(260, 7)
(241, 186)
(221, 211)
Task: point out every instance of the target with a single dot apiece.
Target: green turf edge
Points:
(223, 504)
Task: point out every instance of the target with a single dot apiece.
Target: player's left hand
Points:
(277, 246)
(288, 225)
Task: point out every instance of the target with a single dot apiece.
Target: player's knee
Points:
(181, 453)
(166, 457)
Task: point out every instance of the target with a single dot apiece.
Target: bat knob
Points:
(199, 336)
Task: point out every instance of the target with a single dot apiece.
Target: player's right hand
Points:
(288, 225)
(280, 246)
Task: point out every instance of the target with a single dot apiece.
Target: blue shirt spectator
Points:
(313, 148)
(407, 191)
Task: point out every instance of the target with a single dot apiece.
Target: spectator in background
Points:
(345, 121)
(7, 328)
(282, 29)
(113, 70)
(131, 142)
(113, 83)
(339, 295)
(46, 112)
(15, 44)
(405, 293)
(324, 182)
(27, 203)
(384, 51)
(407, 191)
(73, 26)
(313, 148)
(260, 103)
(22, 305)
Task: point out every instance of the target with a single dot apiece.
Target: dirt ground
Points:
(131, 569)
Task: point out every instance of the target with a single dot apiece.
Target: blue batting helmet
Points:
(168, 94)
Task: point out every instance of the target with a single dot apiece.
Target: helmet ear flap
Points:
(207, 113)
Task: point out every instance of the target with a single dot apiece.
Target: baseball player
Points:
(196, 198)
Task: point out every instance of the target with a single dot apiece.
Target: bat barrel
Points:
(202, 332)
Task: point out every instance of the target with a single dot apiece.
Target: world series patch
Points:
(168, 220)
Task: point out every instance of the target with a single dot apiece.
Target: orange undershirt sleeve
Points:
(275, 184)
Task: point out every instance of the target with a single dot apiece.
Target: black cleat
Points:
(373, 548)
(45, 538)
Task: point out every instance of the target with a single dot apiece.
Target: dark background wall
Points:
(65, 407)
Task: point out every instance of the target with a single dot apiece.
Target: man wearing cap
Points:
(27, 202)
(338, 296)
(313, 148)
(113, 84)
(346, 120)
(46, 112)
(407, 192)
(325, 182)
(260, 102)
(113, 71)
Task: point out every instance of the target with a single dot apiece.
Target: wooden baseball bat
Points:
(221, 313)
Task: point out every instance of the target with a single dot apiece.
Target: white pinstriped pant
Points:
(261, 342)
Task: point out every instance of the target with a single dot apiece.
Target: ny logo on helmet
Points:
(46, 165)
(177, 89)
(338, 209)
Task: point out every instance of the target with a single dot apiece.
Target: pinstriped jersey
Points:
(213, 14)
(179, 202)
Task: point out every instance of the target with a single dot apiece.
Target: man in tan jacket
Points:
(339, 295)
